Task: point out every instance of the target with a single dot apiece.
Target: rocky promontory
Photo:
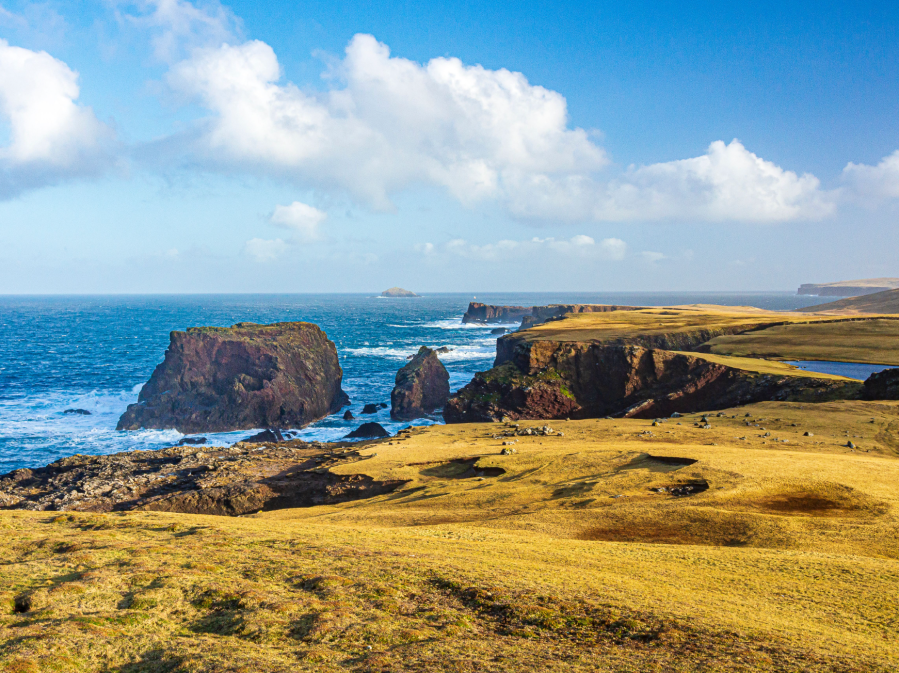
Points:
(486, 313)
(217, 379)
(422, 386)
(849, 288)
(646, 363)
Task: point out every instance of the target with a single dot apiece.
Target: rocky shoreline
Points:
(231, 481)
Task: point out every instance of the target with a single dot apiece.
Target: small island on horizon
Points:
(398, 292)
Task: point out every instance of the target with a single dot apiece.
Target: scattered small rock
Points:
(191, 440)
(808, 434)
(348, 415)
(79, 412)
(370, 409)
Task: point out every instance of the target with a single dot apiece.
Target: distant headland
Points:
(398, 292)
(849, 288)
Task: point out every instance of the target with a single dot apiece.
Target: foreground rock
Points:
(422, 386)
(369, 430)
(217, 379)
(230, 481)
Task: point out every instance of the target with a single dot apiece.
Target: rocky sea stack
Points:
(217, 379)
(398, 292)
(421, 387)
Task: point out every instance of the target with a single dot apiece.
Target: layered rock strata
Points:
(584, 380)
(230, 481)
(422, 386)
(216, 379)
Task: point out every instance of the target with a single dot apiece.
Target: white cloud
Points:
(579, 246)
(726, 183)
(878, 182)
(425, 249)
(264, 250)
(653, 257)
(470, 130)
(302, 219)
(177, 26)
(51, 137)
(480, 134)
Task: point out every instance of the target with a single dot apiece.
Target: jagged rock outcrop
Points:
(585, 380)
(194, 480)
(422, 386)
(485, 313)
(882, 385)
(216, 379)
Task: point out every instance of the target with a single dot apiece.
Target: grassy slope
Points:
(874, 341)
(754, 364)
(787, 562)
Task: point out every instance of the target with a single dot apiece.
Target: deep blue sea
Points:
(95, 353)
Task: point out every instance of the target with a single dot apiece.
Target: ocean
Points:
(95, 353)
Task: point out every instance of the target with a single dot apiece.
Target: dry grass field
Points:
(873, 340)
(617, 546)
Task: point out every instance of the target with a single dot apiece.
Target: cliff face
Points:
(485, 313)
(422, 386)
(216, 379)
(548, 379)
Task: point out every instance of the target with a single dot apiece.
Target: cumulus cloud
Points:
(265, 250)
(877, 182)
(727, 183)
(580, 246)
(177, 26)
(395, 124)
(51, 136)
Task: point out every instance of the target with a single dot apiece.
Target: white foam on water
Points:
(478, 351)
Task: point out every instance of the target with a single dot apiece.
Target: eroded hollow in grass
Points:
(719, 533)
(805, 503)
(462, 468)
(657, 463)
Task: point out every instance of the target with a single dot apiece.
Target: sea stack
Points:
(421, 387)
(398, 292)
(218, 379)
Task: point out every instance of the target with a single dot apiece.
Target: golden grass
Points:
(569, 559)
(874, 341)
(760, 366)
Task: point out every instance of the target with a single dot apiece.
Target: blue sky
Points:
(169, 146)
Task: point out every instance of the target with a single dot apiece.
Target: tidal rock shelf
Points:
(241, 479)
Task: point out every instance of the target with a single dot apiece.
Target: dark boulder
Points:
(348, 415)
(79, 412)
(498, 330)
(270, 435)
(882, 385)
(370, 409)
(442, 350)
(381, 405)
(192, 441)
(369, 431)
(217, 379)
(421, 386)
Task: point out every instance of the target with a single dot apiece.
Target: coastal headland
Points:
(752, 535)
